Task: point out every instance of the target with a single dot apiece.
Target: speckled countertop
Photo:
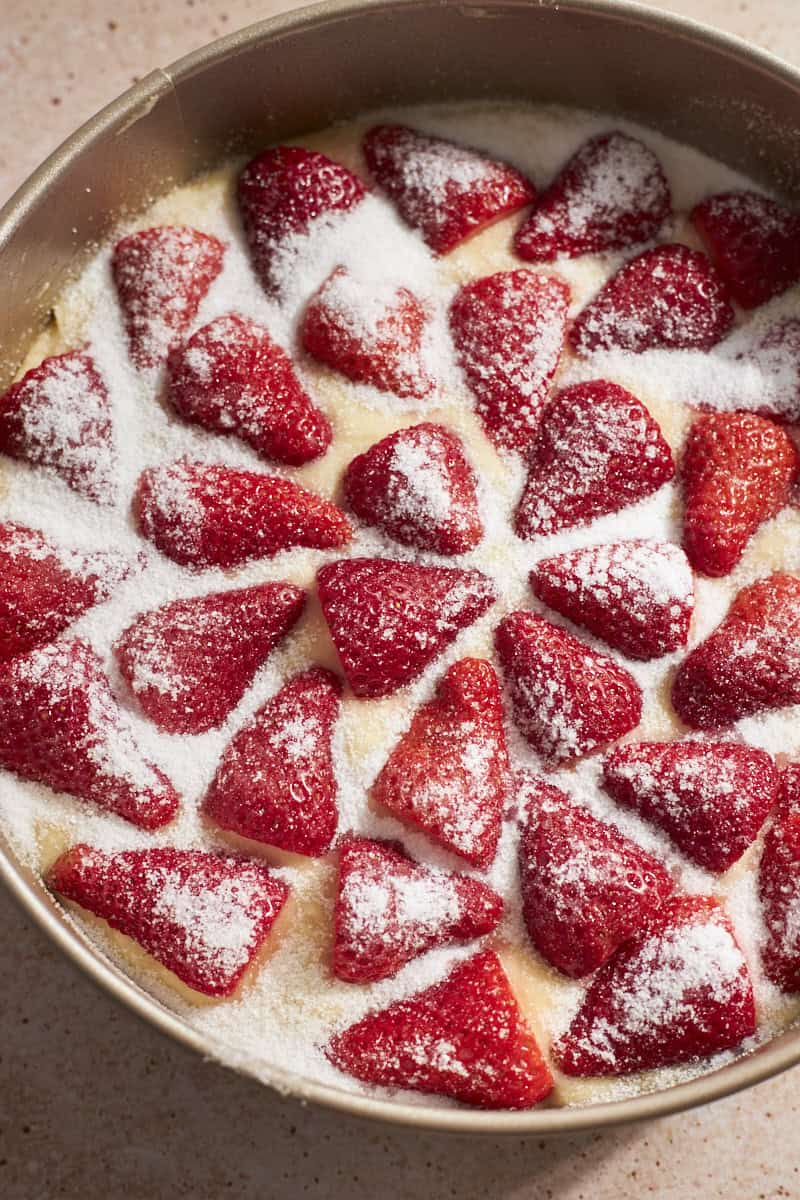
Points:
(95, 1103)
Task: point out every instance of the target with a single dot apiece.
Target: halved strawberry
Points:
(779, 886)
(598, 451)
(464, 1037)
(202, 916)
(611, 194)
(390, 909)
(58, 416)
(567, 699)
(230, 377)
(60, 726)
(210, 515)
(448, 775)
(446, 191)
(275, 782)
(585, 887)
(711, 798)
(508, 330)
(389, 620)
(754, 242)
(190, 662)
(737, 472)
(161, 275)
(678, 991)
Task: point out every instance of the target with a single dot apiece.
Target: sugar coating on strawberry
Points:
(508, 330)
(189, 662)
(585, 887)
(711, 798)
(779, 887)
(754, 243)
(448, 775)
(161, 276)
(446, 191)
(232, 378)
(637, 596)
(567, 699)
(202, 916)
(210, 515)
(417, 486)
(668, 298)
(737, 472)
(58, 417)
(611, 194)
(389, 620)
(390, 909)
(678, 991)
(598, 451)
(464, 1038)
(275, 782)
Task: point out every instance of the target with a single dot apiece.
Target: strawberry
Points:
(585, 887)
(567, 699)
(754, 242)
(611, 194)
(711, 798)
(417, 486)
(161, 275)
(446, 191)
(389, 620)
(637, 596)
(737, 471)
(668, 298)
(464, 1038)
(210, 515)
(202, 916)
(390, 909)
(370, 333)
(677, 991)
(448, 775)
(779, 886)
(190, 662)
(230, 377)
(275, 782)
(60, 726)
(282, 193)
(58, 416)
(508, 331)
(598, 451)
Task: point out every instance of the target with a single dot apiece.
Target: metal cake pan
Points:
(294, 73)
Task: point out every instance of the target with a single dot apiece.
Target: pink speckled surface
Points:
(94, 1103)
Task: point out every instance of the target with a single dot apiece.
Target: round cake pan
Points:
(282, 77)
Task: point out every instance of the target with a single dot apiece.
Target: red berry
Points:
(754, 242)
(779, 886)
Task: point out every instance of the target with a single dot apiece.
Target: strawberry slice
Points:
(448, 775)
(508, 331)
(636, 596)
(711, 798)
(779, 886)
(390, 909)
(678, 991)
(161, 275)
(464, 1038)
(190, 662)
(585, 887)
(58, 416)
(611, 194)
(737, 472)
(598, 451)
(210, 515)
(668, 298)
(202, 916)
(754, 242)
(446, 191)
(417, 486)
(230, 377)
(389, 620)
(60, 726)
(567, 699)
(275, 782)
